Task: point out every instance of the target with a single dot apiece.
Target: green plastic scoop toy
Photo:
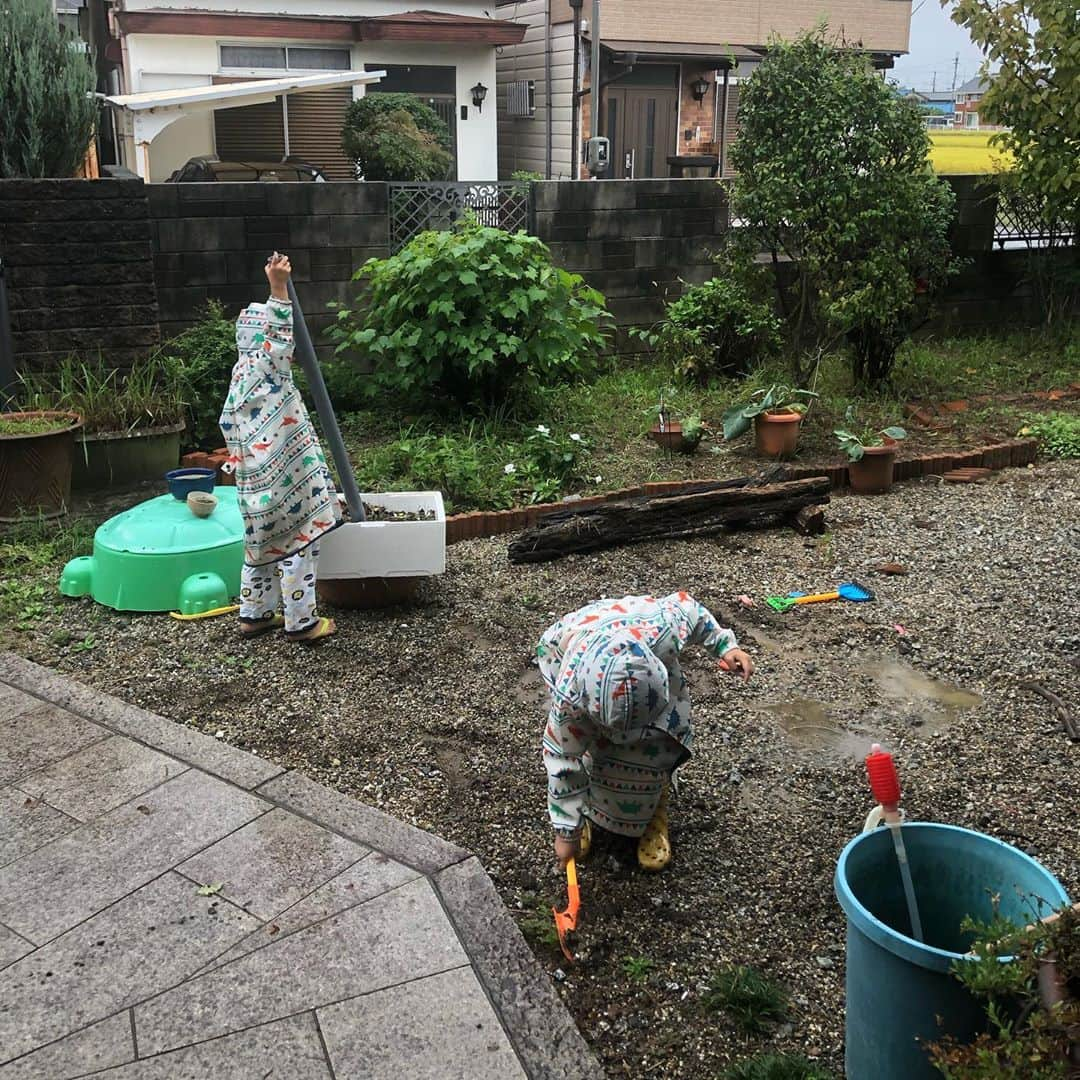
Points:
(850, 591)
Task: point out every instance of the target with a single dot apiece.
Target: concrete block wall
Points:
(211, 241)
(79, 270)
(634, 240)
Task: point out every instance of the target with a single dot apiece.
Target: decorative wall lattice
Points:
(415, 208)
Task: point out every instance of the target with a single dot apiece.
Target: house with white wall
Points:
(445, 55)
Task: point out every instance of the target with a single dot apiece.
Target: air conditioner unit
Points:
(521, 98)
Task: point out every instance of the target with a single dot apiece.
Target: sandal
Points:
(323, 628)
(263, 626)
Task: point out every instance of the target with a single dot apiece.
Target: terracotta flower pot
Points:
(872, 474)
(671, 438)
(35, 468)
(776, 434)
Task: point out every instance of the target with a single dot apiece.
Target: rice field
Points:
(966, 152)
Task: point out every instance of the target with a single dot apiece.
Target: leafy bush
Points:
(717, 328)
(476, 314)
(396, 137)
(833, 178)
(1058, 434)
(46, 83)
(204, 356)
(149, 394)
(748, 997)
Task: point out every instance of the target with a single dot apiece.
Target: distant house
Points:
(445, 55)
(669, 78)
(968, 97)
(937, 105)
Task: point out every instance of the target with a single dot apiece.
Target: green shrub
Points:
(717, 328)
(747, 996)
(204, 356)
(476, 314)
(833, 180)
(396, 137)
(1058, 434)
(47, 112)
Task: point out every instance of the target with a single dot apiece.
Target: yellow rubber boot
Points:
(654, 848)
(585, 839)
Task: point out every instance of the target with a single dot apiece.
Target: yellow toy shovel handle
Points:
(817, 598)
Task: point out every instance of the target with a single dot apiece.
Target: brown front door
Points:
(641, 125)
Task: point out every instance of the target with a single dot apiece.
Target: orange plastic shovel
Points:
(566, 921)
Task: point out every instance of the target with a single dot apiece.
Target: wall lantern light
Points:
(699, 88)
(479, 92)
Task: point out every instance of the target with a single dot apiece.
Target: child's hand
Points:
(278, 272)
(739, 662)
(565, 850)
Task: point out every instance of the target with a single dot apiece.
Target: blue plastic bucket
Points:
(899, 991)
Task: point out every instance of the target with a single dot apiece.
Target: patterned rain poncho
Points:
(619, 722)
(284, 490)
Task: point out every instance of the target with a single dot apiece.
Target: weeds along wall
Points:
(117, 265)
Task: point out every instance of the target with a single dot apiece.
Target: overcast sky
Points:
(935, 43)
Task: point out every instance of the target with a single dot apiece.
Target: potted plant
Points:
(132, 420)
(871, 455)
(36, 451)
(776, 414)
(684, 435)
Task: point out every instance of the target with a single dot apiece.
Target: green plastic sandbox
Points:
(158, 556)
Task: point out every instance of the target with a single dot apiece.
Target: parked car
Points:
(202, 170)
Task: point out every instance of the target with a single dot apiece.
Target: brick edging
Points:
(481, 524)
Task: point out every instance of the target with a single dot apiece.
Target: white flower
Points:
(510, 469)
(576, 437)
(543, 429)
(597, 479)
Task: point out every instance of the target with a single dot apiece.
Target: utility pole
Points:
(933, 83)
(955, 67)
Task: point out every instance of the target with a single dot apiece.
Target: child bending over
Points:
(619, 723)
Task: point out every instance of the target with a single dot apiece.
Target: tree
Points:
(47, 111)
(396, 137)
(834, 179)
(1035, 92)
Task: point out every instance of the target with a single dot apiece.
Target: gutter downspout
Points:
(575, 98)
(723, 123)
(547, 89)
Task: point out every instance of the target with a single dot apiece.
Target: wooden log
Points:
(810, 521)
(726, 506)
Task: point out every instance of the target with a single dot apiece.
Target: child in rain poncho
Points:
(284, 490)
(619, 723)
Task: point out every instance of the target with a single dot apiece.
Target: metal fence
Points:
(415, 208)
(1022, 223)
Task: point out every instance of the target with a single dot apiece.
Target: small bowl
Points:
(182, 482)
(201, 503)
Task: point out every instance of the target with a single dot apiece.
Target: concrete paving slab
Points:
(435, 1028)
(12, 947)
(403, 842)
(401, 935)
(13, 702)
(98, 863)
(287, 1049)
(240, 768)
(273, 862)
(102, 777)
(142, 945)
(370, 877)
(102, 1045)
(33, 739)
(27, 823)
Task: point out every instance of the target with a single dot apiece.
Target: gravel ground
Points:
(435, 714)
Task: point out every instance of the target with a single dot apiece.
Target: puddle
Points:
(809, 726)
(936, 703)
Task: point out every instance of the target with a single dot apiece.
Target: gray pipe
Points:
(305, 353)
(594, 74)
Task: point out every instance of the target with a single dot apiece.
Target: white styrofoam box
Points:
(360, 549)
